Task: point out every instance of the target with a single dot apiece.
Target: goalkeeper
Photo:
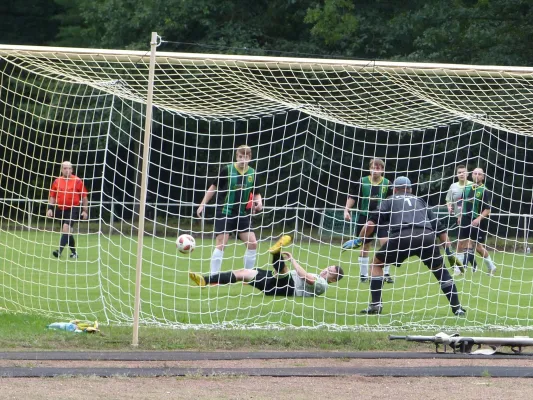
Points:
(283, 281)
(412, 232)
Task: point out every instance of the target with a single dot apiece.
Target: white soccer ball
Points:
(185, 243)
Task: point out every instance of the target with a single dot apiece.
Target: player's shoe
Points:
(56, 253)
(457, 271)
(283, 241)
(197, 278)
(73, 256)
(352, 244)
(372, 309)
(363, 278)
(387, 278)
(491, 271)
(460, 312)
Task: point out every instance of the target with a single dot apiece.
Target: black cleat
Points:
(74, 256)
(372, 309)
(56, 253)
(387, 278)
(363, 278)
(459, 312)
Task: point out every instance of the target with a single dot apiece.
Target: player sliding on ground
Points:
(280, 282)
(412, 232)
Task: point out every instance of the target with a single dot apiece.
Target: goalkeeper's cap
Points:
(402, 181)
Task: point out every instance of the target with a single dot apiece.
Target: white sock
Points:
(461, 257)
(386, 269)
(489, 263)
(363, 264)
(216, 261)
(249, 258)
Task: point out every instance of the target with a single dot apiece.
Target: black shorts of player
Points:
(474, 233)
(232, 224)
(68, 215)
(273, 285)
(380, 231)
(411, 242)
(451, 223)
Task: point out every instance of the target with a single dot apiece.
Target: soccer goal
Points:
(313, 127)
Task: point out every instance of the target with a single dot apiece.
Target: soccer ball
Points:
(185, 243)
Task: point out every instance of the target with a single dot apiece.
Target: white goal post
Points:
(313, 126)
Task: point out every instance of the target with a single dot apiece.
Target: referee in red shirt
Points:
(66, 194)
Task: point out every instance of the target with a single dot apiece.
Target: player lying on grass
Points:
(280, 282)
(413, 230)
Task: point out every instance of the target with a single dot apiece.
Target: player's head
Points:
(332, 274)
(478, 176)
(376, 167)
(402, 185)
(66, 169)
(462, 173)
(243, 155)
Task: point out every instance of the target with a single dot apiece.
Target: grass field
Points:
(100, 285)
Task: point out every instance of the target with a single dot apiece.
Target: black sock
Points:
(63, 242)
(447, 285)
(277, 262)
(472, 258)
(376, 284)
(465, 259)
(72, 243)
(221, 278)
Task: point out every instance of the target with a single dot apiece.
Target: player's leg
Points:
(482, 251)
(222, 278)
(278, 263)
(364, 260)
(74, 216)
(382, 238)
(387, 254)
(430, 255)
(64, 217)
(462, 244)
(218, 253)
(248, 237)
(223, 227)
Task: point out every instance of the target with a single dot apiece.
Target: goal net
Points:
(313, 127)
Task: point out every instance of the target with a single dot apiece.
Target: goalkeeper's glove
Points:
(352, 244)
(453, 260)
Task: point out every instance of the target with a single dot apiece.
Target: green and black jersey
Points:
(233, 189)
(476, 199)
(370, 194)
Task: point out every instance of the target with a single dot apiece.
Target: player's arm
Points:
(350, 202)
(52, 200)
(212, 189)
(302, 273)
(485, 209)
(449, 200)
(84, 201)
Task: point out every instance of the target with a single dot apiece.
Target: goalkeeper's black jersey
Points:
(402, 211)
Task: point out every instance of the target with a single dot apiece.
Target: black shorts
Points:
(68, 215)
(233, 224)
(474, 233)
(273, 285)
(411, 242)
(379, 231)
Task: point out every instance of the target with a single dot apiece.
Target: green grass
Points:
(100, 285)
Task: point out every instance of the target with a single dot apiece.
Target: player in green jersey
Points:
(371, 191)
(475, 211)
(234, 185)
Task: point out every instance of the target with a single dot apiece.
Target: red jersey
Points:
(68, 192)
